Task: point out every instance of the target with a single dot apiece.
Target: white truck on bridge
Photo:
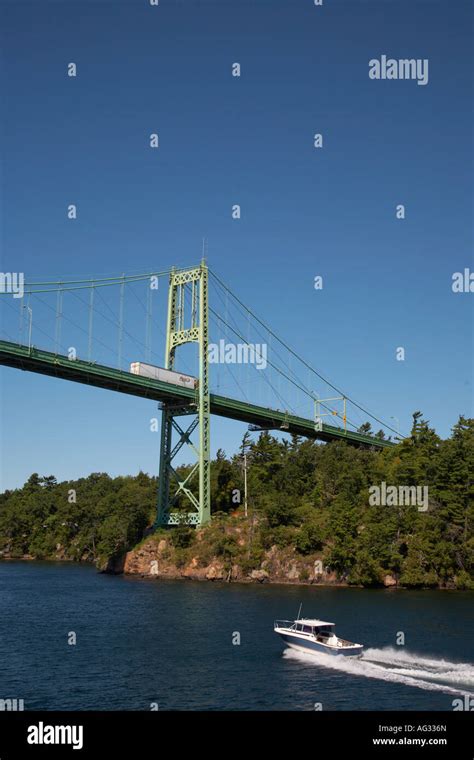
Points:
(165, 375)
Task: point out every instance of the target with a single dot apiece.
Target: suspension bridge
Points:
(51, 329)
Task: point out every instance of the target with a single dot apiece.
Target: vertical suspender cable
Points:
(91, 318)
(30, 327)
(122, 289)
(59, 306)
(22, 309)
(248, 365)
(148, 324)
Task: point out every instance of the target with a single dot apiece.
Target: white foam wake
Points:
(398, 666)
(417, 666)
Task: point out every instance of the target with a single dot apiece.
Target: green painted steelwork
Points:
(100, 376)
(178, 334)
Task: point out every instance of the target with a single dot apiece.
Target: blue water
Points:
(170, 642)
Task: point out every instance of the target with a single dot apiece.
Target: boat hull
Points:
(306, 645)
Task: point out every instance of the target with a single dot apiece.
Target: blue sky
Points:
(248, 141)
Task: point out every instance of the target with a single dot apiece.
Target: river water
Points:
(143, 642)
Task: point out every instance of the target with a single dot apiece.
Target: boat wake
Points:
(397, 666)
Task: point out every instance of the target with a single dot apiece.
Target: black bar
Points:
(142, 734)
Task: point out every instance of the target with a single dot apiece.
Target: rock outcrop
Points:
(157, 558)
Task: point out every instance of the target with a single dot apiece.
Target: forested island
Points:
(311, 517)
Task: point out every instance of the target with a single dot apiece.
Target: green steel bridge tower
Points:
(185, 328)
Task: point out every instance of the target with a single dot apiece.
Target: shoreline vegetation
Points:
(312, 518)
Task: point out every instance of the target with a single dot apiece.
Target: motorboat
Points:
(310, 635)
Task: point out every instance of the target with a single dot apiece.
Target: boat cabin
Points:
(307, 625)
(320, 629)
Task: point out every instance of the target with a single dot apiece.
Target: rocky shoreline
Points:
(157, 559)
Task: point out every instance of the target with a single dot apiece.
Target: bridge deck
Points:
(100, 376)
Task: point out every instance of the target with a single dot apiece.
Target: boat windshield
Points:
(323, 632)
